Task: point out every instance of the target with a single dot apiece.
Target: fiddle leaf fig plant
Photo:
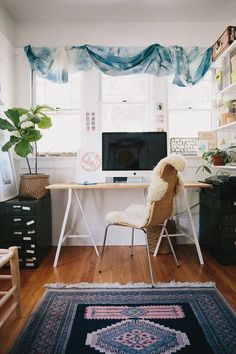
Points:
(25, 127)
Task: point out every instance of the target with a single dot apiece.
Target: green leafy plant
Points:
(24, 126)
(216, 152)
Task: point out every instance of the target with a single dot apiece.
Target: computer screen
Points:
(122, 151)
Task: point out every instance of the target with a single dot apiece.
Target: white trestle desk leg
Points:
(62, 233)
(86, 222)
(193, 228)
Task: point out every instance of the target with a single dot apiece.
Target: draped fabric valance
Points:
(188, 65)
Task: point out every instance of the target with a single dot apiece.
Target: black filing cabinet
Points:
(218, 219)
(26, 223)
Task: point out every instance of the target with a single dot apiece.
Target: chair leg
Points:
(159, 240)
(149, 260)
(103, 247)
(132, 243)
(171, 246)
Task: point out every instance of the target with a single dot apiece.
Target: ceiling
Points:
(122, 10)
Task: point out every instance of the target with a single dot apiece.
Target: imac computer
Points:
(126, 156)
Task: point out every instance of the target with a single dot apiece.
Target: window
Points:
(189, 111)
(126, 102)
(64, 134)
(189, 108)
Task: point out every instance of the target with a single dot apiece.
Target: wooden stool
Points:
(10, 255)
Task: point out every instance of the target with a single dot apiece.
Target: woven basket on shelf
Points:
(32, 186)
(153, 234)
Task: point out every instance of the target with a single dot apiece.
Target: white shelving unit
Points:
(226, 127)
(229, 91)
(226, 93)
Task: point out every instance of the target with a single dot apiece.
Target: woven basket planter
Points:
(32, 186)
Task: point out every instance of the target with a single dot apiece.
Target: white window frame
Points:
(150, 103)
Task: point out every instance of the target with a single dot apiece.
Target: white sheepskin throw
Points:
(138, 214)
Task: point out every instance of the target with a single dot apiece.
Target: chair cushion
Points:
(135, 215)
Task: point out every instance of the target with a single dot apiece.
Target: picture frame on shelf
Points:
(8, 187)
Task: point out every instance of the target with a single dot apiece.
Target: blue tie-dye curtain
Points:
(188, 65)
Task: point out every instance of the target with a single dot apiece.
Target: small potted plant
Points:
(25, 127)
(216, 157)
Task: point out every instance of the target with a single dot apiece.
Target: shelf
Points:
(218, 62)
(225, 167)
(226, 127)
(229, 90)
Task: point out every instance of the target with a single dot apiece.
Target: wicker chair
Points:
(6, 256)
(164, 184)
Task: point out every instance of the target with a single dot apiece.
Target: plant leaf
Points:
(7, 146)
(45, 122)
(5, 125)
(21, 111)
(207, 169)
(40, 108)
(33, 118)
(14, 116)
(23, 148)
(31, 134)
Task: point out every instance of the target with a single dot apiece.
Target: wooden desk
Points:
(75, 187)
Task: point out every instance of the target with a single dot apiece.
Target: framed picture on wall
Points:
(8, 188)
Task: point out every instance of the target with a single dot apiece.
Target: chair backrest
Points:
(162, 209)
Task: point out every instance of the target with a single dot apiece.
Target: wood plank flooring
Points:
(80, 264)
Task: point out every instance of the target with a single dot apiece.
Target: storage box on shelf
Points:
(26, 223)
(223, 42)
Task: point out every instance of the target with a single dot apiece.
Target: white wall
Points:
(125, 34)
(7, 25)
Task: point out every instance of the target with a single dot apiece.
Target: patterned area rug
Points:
(172, 318)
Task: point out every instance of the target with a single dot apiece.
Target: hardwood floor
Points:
(80, 264)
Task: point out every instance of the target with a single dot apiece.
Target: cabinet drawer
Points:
(228, 219)
(16, 236)
(228, 245)
(25, 207)
(23, 222)
(229, 232)
(227, 258)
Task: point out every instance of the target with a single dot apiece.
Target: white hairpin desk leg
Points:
(86, 222)
(195, 238)
(62, 233)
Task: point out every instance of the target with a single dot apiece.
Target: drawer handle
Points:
(20, 233)
(16, 219)
(30, 222)
(25, 208)
(234, 203)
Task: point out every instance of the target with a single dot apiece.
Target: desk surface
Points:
(70, 185)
